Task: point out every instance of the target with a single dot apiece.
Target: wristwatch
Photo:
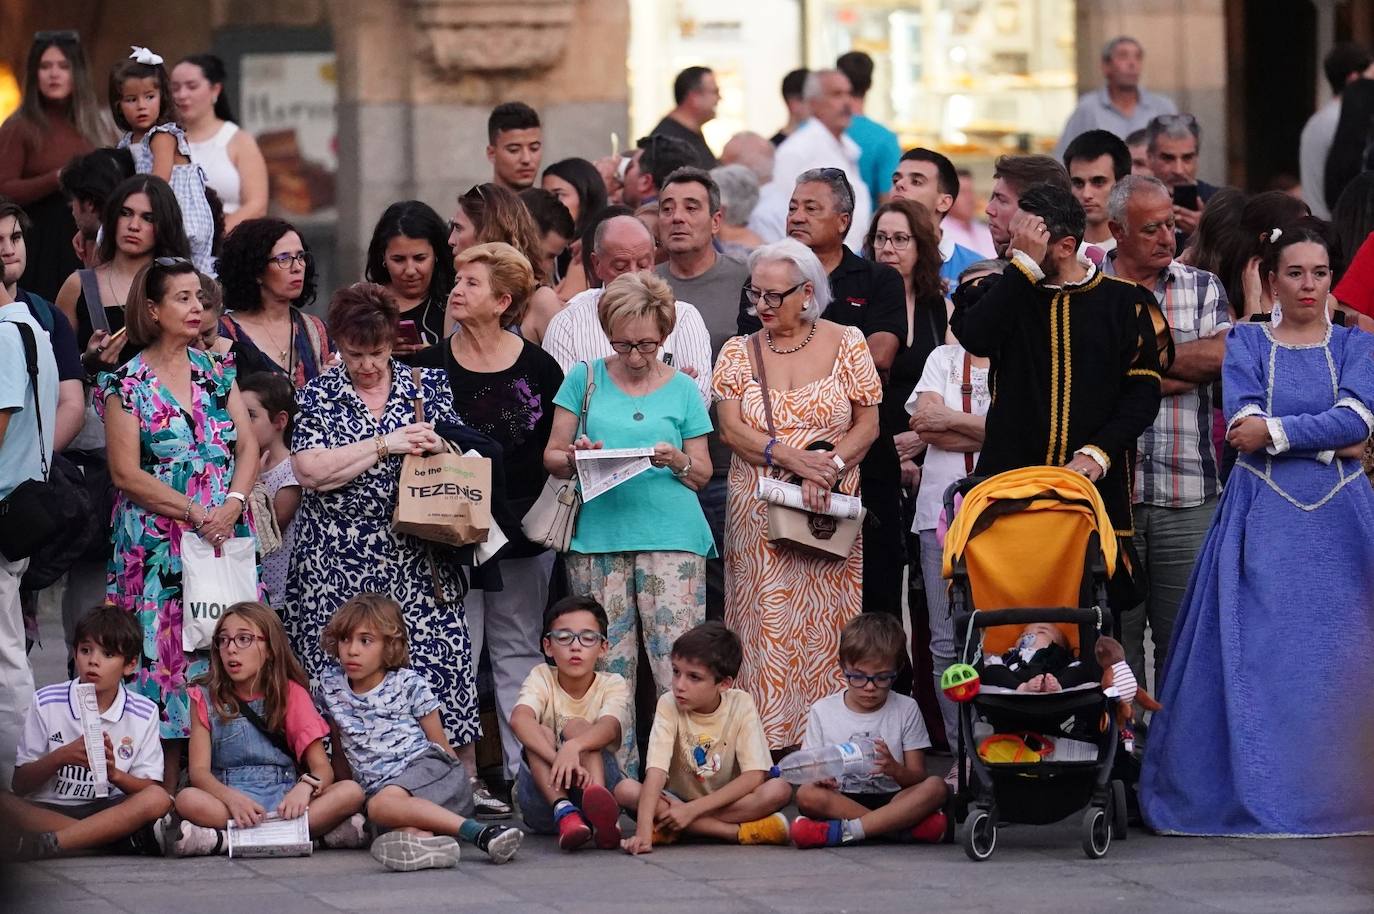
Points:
(315, 783)
(838, 461)
(243, 502)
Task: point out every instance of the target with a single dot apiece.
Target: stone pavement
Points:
(1033, 870)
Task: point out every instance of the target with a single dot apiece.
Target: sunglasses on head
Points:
(170, 261)
(60, 36)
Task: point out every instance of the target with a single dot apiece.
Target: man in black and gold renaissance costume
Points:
(1075, 359)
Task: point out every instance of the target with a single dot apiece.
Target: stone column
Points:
(417, 79)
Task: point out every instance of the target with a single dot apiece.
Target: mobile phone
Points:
(407, 332)
(1185, 195)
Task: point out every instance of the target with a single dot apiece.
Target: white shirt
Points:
(1313, 148)
(575, 335)
(898, 723)
(811, 146)
(54, 719)
(220, 174)
(944, 375)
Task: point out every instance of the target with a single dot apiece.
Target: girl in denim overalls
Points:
(245, 769)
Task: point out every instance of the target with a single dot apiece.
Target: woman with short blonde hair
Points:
(640, 548)
(504, 387)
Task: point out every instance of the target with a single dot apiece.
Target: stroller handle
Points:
(1029, 614)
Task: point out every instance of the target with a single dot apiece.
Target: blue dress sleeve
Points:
(1244, 392)
(1351, 419)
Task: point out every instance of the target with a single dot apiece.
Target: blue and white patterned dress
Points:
(345, 545)
(1265, 726)
(188, 184)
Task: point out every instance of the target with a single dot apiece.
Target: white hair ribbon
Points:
(1275, 235)
(144, 56)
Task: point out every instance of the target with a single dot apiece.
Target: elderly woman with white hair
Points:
(739, 194)
(798, 400)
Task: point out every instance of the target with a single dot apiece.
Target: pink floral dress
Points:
(190, 447)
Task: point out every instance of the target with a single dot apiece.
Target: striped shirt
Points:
(1177, 465)
(575, 335)
(54, 720)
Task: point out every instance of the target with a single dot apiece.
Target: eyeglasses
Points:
(564, 637)
(770, 300)
(287, 261)
(243, 641)
(881, 680)
(899, 241)
(170, 261)
(64, 36)
(644, 347)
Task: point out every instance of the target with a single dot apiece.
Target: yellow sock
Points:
(769, 830)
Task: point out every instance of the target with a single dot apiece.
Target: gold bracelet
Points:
(382, 451)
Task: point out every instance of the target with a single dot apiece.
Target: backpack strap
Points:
(30, 343)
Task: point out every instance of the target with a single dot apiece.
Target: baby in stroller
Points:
(1040, 661)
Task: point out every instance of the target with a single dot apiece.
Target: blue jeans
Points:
(538, 812)
(943, 650)
(1167, 542)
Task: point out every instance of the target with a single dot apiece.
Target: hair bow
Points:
(145, 56)
(1274, 235)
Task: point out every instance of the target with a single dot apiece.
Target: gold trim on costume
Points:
(1051, 448)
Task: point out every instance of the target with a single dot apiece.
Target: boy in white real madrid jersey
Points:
(54, 808)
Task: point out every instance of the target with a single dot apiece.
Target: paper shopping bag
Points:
(212, 583)
(444, 498)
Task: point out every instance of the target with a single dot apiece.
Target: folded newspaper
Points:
(272, 837)
(603, 469)
(777, 492)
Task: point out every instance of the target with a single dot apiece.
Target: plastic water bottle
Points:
(857, 757)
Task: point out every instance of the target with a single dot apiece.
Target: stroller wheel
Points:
(1119, 810)
(980, 835)
(1097, 832)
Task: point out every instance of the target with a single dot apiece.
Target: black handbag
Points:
(28, 519)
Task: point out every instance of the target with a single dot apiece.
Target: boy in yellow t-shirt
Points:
(708, 749)
(569, 718)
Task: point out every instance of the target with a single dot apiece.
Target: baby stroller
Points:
(1034, 545)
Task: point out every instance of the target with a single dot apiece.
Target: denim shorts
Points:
(537, 811)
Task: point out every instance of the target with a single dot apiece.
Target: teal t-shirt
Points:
(653, 512)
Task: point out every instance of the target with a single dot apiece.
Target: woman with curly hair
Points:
(488, 213)
(268, 277)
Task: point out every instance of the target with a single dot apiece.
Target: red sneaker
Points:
(812, 832)
(573, 832)
(603, 813)
(931, 830)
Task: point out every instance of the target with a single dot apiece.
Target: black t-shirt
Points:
(514, 407)
(669, 127)
(910, 363)
(429, 320)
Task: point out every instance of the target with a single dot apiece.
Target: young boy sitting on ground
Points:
(61, 812)
(708, 748)
(899, 799)
(569, 718)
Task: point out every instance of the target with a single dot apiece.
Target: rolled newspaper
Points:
(777, 492)
(94, 736)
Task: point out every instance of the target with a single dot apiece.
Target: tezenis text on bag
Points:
(446, 488)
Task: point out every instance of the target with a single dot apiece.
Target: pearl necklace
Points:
(768, 336)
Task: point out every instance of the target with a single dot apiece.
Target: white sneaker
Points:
(484, 805)
(349, 834)
(183, 839)
(404, 852)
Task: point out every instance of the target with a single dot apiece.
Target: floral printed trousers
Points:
(665, 592)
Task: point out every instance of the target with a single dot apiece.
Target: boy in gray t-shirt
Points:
(898, 799)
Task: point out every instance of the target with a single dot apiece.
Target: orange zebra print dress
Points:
(786, 607)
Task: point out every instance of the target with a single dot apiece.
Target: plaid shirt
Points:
(1177, 462)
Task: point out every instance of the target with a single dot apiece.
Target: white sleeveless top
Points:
(213, 158)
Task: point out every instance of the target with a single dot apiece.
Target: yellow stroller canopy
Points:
(1023, 537)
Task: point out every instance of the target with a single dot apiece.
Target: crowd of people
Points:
(822, 309)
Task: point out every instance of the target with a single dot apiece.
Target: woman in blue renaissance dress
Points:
(1266, 728)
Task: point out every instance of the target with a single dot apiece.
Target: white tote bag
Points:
(211, 583)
